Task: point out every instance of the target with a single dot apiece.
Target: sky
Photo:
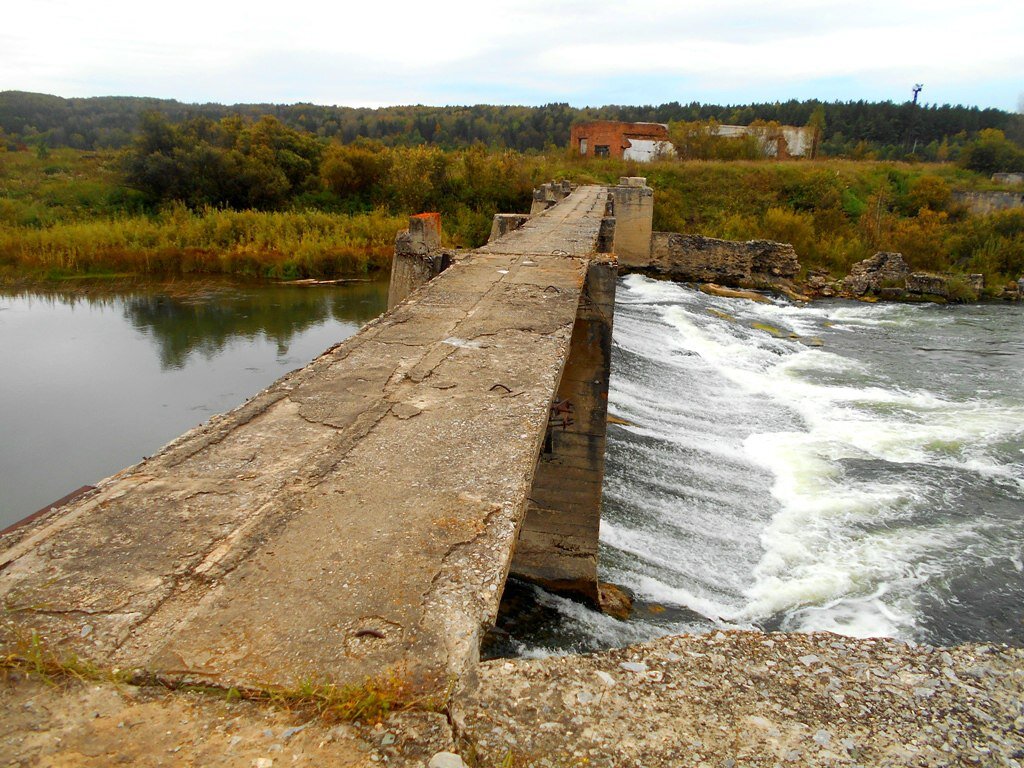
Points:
(524, 52)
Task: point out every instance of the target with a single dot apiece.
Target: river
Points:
(93, 381)
(841, 466)
(871, 486)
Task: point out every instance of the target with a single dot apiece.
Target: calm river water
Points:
(872, 485)
(94, 382)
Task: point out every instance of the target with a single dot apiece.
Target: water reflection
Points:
(205, 322)
(95, 379)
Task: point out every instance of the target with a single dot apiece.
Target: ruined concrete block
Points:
(632, 181)
(633, 203)
(418, 257)
(925, 283)
(504, 223)
(883, 270)
(728, 262)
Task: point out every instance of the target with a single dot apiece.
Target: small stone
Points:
(406, 410)
(388, 739)
(605, 678)
(809, 660)
(86, 630)
(585, 697)
(263, 762)
(822, 737)
(446, 760)
(633, 666)
(289, 732)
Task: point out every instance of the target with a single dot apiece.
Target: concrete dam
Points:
(341, 542)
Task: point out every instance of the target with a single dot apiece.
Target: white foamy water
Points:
(871, 486)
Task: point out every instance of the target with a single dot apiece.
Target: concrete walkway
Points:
(355, 520)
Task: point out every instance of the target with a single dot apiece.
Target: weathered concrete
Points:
(558, 543)
(356, 519)
(634, 217)
(418, 257)
(98, 725)
(504, 223)
(547, 195)
(697, 258)
(985, 203)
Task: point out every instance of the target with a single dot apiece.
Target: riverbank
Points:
(751, 699)
(71, 213)
(181, 243)
(726, 699)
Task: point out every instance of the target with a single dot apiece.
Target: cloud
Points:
(457, 51)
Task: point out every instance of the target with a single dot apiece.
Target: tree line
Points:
(887, 130)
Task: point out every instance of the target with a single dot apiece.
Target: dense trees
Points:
(264, 165)
(886, 129)
(234, 163)
(992, 152)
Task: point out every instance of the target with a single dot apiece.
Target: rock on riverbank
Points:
(728, 700)
(751, 699)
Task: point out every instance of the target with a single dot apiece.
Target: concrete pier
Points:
(634, 217)
(418, 257)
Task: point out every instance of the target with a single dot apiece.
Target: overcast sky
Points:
(521, 52)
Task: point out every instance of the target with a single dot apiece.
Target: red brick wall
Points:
(614, 135)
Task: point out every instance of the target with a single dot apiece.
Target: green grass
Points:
(69, 214)
(283, 245)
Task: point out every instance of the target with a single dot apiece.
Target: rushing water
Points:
(872, 485)
(92, 383)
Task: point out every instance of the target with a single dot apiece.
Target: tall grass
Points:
(69, 214)
(178, 241)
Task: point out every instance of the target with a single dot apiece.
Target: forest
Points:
(857, 129)
(256, 198)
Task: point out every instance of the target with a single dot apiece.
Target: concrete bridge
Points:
(358, 519)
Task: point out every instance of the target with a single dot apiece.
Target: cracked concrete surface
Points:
(354, 520)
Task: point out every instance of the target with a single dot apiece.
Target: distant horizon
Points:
(526, 52)
(924, 103)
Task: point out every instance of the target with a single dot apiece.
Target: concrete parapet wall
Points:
(549, 194)
(697, 258)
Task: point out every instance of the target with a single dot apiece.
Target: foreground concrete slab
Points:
(97, 725)
(355, 520)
